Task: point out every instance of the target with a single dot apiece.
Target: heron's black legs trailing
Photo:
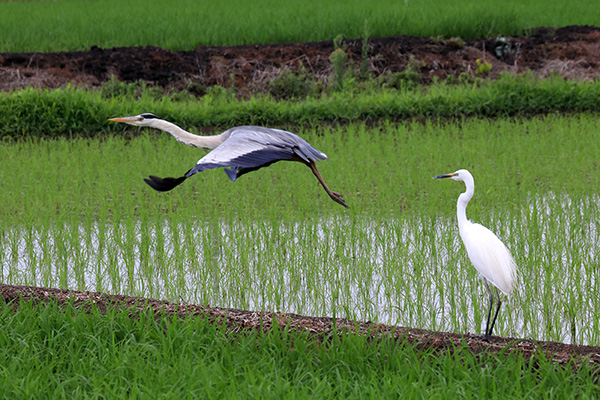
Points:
(334, 196)
(490, 328)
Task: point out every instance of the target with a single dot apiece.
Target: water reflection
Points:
(411, 272)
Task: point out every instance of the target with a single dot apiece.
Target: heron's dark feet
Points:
(163, 184)
(337, 197)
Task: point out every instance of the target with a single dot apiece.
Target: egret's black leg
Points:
(488, 331)
(497, 310)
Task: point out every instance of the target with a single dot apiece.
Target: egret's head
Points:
(460, 175)
(145, 119)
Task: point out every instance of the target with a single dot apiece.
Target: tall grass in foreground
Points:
(273, 240)
(52, 352)
(184, 24)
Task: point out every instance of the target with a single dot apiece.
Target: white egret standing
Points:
(241, 150)
(488, 254)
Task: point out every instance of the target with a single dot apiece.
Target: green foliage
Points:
(400, 80)
(364, 54)
(43, 113)
(338, 62)
(456, 42)
(439, 39)
(483, 67)
(409, 78)
(293, 85)
(115, 88)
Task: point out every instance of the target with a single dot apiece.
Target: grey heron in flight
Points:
(239, 150)
(489, 255)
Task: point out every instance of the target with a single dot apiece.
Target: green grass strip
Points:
(63, 352)
(52, 113)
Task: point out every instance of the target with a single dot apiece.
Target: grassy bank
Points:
(35, 113)
(51, 352)
(184, 24)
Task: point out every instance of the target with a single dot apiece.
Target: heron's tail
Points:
(232, 173)
(164, 184)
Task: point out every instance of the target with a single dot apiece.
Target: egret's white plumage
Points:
(239, 150)
(488, 254)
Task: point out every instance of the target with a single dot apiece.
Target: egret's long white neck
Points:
(463, 200)
(185, 137)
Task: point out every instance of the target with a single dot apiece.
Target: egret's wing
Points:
(489, 256)
(250, 147)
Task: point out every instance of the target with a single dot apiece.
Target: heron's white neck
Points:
(185, 137)
(463, 200)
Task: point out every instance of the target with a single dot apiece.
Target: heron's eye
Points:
(140, 118)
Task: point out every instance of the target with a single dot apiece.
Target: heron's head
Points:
(145, 119)
(460, 175)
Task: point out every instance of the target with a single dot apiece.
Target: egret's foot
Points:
(484, 338)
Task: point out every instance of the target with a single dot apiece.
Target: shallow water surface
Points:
(410, 272)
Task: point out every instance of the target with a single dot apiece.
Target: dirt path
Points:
(572, 51)
(319, 327)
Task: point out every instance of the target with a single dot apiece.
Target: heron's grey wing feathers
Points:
(250, 147)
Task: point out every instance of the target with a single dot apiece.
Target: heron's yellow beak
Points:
(127, 120)
(445, 176)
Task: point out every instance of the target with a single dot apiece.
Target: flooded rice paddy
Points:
(410, 271)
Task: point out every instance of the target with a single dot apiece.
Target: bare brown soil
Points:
(572, 51)
(320, 328)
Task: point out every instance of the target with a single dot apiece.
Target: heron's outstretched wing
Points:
(246, 149)
(249, 148)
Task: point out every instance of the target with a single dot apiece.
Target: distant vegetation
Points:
(184, 24)
(67, 112)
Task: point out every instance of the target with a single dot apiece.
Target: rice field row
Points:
(76, 214)
(184, 24)
(76, 112)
